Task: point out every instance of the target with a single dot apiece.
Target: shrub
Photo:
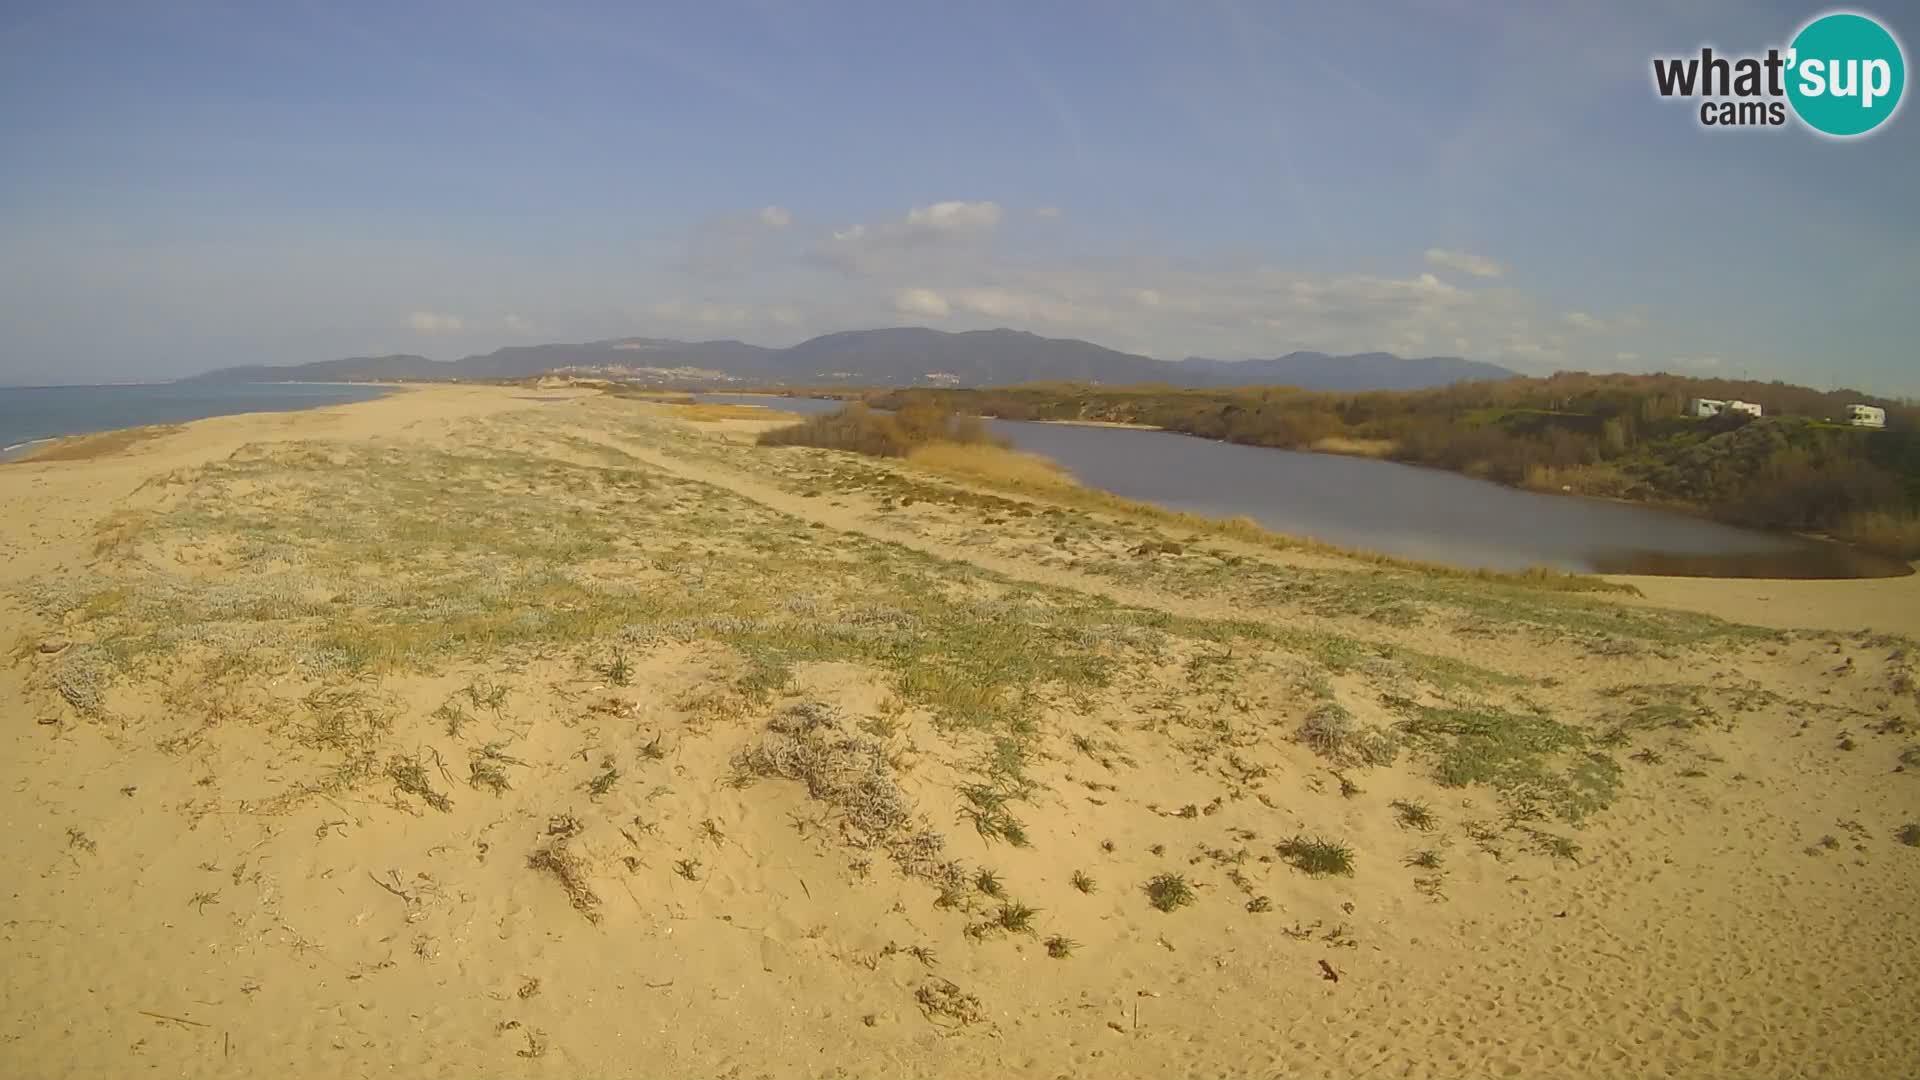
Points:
(866, 431)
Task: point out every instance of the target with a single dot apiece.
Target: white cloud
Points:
(1048, 212)
(942, 263)
(956, 216)
(1466, 262)
(775, 217)
(430, 322)
(864, 248)
(1698, 363)
(1625, 357)
(921, 302)
(518, 324)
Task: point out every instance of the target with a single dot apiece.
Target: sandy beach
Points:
(481, 731)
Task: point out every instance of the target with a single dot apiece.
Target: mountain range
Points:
(900, 356)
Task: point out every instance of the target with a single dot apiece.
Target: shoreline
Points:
(37, 452)
(38, 447)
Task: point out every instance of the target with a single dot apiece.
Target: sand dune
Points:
(473, 731)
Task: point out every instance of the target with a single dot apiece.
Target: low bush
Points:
(878, 434)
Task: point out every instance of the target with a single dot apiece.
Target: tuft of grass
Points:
(1331, 731)
(1015, 918)
(600, 785)
(1414, 814)
(1060, 947)
(1169, 892)
(1555, 847)
(1317, 857)
(990, 884)
(410, 775)
(1260, 904)
(453, 717)
(986, 807)
(1084, 883)
(618, 671)
(486, 768)
(1427, 859)
(483, 693)
(1908, 834)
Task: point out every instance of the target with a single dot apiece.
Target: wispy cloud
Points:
(1466, 262)
(863, 248)
(921, 303)
(433, 322)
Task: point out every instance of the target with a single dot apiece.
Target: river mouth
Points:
(1409, 512)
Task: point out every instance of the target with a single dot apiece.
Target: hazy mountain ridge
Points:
(896, 356)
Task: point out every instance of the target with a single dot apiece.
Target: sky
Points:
(191, 185)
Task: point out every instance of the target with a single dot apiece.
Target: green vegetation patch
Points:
(1538, 765)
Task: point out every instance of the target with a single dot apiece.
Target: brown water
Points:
(1412, 512)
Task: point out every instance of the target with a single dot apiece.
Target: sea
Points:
(34, 414)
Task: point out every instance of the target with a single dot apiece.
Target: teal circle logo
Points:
(1845, 74)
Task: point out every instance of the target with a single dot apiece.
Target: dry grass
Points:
(1341, 444)
(1895, 533)
(994, 464)
(570, 870)
(702, 412)
(851, 773)
(1600, 481)
(86, 447)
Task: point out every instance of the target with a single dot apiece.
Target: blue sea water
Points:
(31, 414)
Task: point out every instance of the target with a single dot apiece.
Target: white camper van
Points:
(1747, 407)
(1866, 416)
(1703, 407)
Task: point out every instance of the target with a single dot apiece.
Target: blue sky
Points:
(191, 185)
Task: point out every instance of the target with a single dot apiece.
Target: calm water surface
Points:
(30, 414)
(1410, 512)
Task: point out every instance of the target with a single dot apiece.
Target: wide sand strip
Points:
(483, 731)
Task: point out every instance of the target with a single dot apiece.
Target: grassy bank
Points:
(1614, 436)
(973, 457)
(896, 434)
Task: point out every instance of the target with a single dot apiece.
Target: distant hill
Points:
(1361, 371)
(899, 356)
(351, 369)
